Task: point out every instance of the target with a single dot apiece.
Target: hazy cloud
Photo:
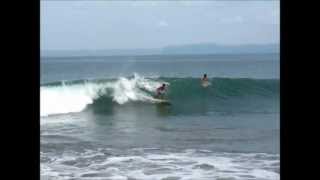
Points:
(150, 24)
(143, 3)
(230, 20)
(162, 23)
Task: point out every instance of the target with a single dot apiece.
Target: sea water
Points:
(99, 119)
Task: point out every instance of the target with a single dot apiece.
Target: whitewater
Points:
(75, 97)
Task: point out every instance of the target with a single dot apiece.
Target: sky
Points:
(95, 25)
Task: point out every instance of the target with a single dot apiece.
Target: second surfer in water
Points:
(205, 81)
(160, 91)
(205, 78)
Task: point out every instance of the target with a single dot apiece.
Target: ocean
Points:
(99, 119)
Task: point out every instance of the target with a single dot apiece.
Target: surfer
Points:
(161, 90)
(205, 81)
(205, 78)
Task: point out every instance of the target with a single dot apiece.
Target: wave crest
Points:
(75, 96)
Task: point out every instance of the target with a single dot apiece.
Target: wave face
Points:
(185, 94)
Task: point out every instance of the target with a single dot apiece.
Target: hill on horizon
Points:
(189, 49)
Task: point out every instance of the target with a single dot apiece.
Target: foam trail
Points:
(125, 90)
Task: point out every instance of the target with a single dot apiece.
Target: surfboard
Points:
(205, 84)
(162, 101)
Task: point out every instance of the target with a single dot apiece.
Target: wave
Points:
(75, 96)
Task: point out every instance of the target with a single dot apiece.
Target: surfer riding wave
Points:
(161, 91)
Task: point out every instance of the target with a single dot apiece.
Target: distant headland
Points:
(188, 49)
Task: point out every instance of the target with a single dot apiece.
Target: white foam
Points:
(74, 98)
(263, 174)
(66, 98)
(185, 165)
